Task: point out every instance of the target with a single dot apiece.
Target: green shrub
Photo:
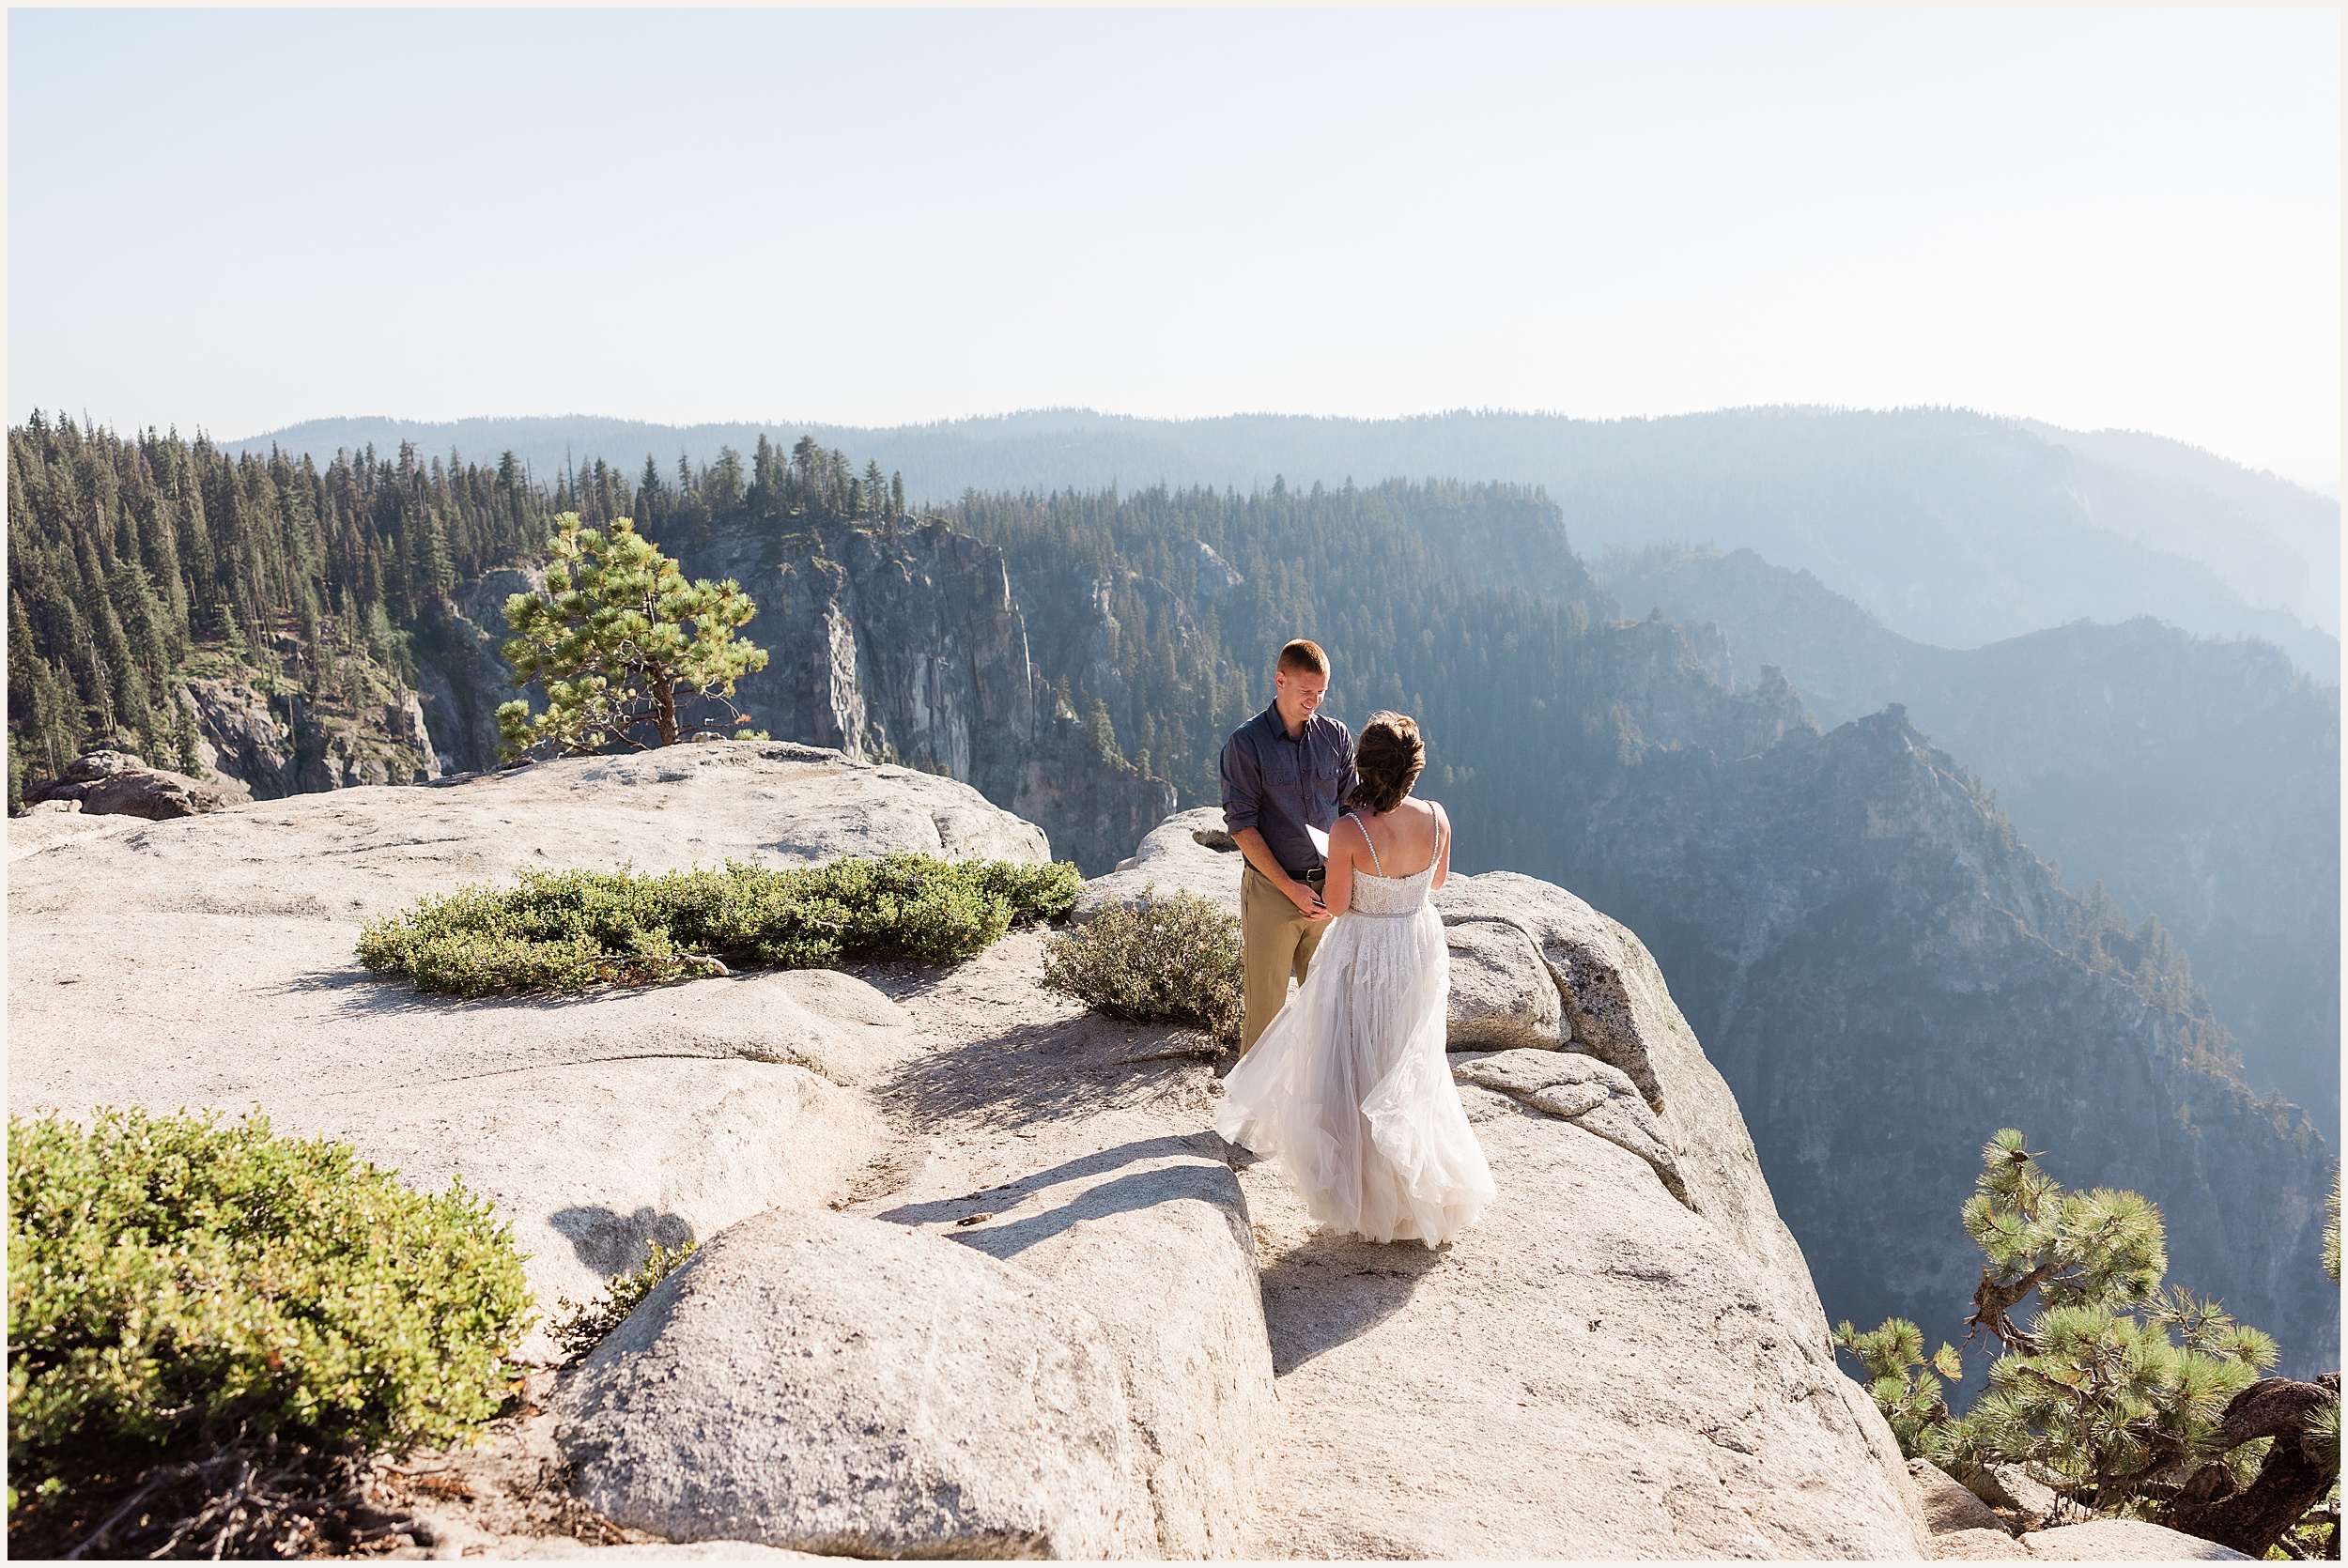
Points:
(1171, 959)
(567, 931)
(581, 1329)
(173, 1284)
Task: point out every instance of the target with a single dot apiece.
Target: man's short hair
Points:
(1304, 658)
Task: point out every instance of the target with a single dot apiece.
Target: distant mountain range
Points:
(2198, 780)
(1949, 527)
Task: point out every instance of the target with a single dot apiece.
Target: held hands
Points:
(1307, 900)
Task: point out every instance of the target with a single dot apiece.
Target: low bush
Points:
(567, 931)
(1174, 959)
(580, 1329)
(177, 1287)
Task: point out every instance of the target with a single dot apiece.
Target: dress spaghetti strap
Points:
(1373, 849)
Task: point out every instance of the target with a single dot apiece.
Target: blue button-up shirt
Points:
(1280, 785)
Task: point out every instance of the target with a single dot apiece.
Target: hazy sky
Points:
(240, 220)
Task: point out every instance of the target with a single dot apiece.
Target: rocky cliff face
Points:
(362, 726)
(975, 1278)
(1675, 687)
(1885, 976)
(907, 646)
(902, 646)
(462, 678)
(2199, 781)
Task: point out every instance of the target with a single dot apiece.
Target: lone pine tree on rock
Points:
(622, 642)
(2127, 1396)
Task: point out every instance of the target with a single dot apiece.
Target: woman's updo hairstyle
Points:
(1388, 758)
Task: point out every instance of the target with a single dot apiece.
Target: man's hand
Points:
(1259, 854)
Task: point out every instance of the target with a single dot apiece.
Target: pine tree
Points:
(187, 759)
(2121, 1386)
(1905, 1386)
(1101, 732)
(623, 643)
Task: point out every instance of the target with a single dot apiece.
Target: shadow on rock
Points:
(1032, 1073)
(613, 1243)
(392, 993)
(1137, 1190)
(1335, 1289)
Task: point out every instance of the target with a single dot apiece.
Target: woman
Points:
(1349, 1089)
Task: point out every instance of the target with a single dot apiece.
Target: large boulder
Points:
(2010, 1487)
(160, 795)
(1187, 853)
(842, 1385)
(1947, 1506)
(92, 766)
(1501, 993)
(117, 783)
(1155, 1247)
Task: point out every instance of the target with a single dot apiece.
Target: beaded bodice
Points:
(1387, 898)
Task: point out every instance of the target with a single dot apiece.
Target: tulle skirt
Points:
(1349, 1092)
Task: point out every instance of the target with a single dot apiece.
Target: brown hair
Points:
(1305, 657)
(1388, 757)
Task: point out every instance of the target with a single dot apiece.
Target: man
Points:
(1284, 773)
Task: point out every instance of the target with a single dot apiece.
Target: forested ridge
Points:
(129, 558)
(136, 562)
(1503, 677)
(1952, 527)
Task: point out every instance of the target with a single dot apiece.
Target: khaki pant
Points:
(1277, 940)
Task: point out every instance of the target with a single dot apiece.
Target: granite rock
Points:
(2125, 1541)
(838, 1384)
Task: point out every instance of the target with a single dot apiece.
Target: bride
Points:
(1349, 1090)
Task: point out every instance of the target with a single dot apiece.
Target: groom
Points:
(1284, 773)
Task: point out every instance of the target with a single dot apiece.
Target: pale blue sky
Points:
(238, 219)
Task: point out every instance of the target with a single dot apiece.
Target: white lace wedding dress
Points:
(1349, 1091)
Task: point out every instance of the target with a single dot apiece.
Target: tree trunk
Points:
(664, 705)
(1991, 1303)
(2288, 1483)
